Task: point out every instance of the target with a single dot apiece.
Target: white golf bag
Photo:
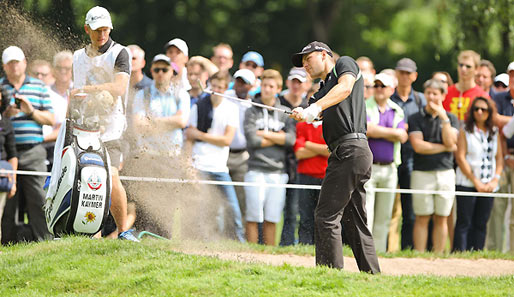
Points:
(79, 194)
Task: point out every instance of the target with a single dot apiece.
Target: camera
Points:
(17, 101)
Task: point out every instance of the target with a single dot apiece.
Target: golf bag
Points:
(79, 193)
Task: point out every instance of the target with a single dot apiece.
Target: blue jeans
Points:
(230, 194)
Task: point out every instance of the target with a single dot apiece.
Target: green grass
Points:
(77, 266)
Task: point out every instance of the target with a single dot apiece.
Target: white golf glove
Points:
(311, 113)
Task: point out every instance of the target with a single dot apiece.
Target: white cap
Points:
(98, 17)
(510, 67)
(12, 53)
(503, 78)
(178, 43)
(246, 75)
(386, 79)
(163, 58)
(297, 73)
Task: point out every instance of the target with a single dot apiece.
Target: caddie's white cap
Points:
(178, 43)
(386, 79)
(98, 17)
(12, 53)
(510, 67)
(246, 75)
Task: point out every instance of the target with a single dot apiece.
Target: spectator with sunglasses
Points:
(501, 83)
(161, 111)
(461, 94)
(254, 62)
(480, 163)
(386, 132)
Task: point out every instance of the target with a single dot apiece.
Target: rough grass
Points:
(77, 266)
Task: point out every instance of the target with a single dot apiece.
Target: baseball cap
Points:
(98, 17)
(163, 58)
(315, 46)
(12, 53)
(503, 78)
(246, 75)
(254, 57)
(386, 79)
(406, 64)
(178, 43)
(297, 73)
(510, 67)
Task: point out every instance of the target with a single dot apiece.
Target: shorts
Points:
(115, 154)
(428, 204)
(265, 203)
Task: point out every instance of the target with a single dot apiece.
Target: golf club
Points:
(243, 100)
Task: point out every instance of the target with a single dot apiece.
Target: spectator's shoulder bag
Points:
(6, 179)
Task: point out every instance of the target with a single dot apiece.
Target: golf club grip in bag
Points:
(82, 196)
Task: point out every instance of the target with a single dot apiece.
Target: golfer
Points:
(340, 101)
(104, 65)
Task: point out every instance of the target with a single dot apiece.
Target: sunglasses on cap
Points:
(157, 70)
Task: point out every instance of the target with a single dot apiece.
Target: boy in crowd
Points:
(212, 126)
(268, 134)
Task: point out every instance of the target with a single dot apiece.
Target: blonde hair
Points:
(470, 54)
(273, 74)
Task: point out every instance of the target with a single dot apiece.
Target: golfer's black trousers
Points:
(343, 197)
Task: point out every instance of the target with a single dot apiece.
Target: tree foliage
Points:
(430, 32)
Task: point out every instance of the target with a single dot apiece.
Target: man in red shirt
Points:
(312, 154)
(461, 95)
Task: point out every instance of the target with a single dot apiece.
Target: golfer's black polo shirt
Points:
(349, 116)
(432, 132)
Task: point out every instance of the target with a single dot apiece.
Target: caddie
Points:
(104, 65)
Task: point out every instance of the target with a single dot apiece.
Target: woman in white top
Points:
(480, 164)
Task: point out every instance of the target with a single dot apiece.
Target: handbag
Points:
(6, 179)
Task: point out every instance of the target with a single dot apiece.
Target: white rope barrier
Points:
(287, 186)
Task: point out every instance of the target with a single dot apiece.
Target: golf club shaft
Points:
(245, 100)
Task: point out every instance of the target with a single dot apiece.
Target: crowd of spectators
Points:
(448, 137)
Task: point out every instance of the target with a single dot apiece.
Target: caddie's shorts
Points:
(114, 149)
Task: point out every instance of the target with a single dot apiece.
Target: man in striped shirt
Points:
(30, 109)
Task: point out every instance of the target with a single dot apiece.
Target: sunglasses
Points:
(157, 70)
(499, 84)
(251, 64)
(481, 109)
(465, 65)
(379, 86)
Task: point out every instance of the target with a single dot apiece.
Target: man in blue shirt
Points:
(161, 111)
(30, 109)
